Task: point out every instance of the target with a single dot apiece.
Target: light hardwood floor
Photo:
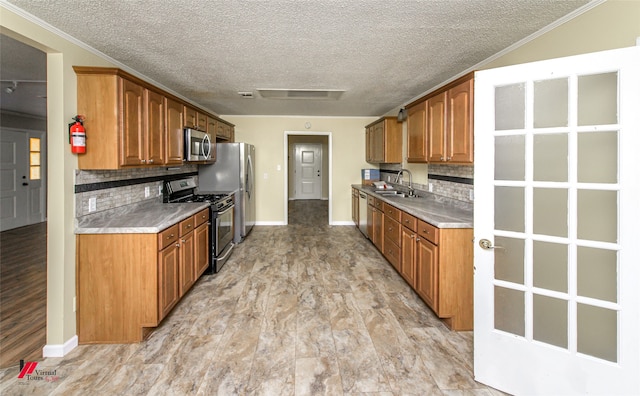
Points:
(303, 309)
(23, 293)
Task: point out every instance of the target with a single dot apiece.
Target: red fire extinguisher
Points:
(78, 136)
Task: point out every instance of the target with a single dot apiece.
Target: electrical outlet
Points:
(92, 204)
(160, 190)
(266, 176)
(147, 191)
(430, 187)
(471, 195)
(74, 304)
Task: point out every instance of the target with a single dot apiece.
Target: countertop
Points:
(434, 209)
(147, 217)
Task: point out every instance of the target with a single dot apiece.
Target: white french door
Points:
(557, 206)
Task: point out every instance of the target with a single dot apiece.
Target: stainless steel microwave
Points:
(197, 145)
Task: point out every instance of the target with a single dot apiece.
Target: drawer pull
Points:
(426, 231)
(188, 225)
(170, 236)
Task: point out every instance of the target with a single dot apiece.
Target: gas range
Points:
(184, 190)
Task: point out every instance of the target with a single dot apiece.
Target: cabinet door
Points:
(436, 128)
(168, 279)
(427, 268)
(190, 117)
(201, 121)
(368, 145)
(155, 128)
(355, 206)
(187, 267)
(378, 230)
(133, 123)
(417, 133)
(377, 143)
(175, 134)
(370, 211)
(201, 249)
(408, 256)
(460, 120)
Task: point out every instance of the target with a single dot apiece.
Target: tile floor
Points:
(303, 309)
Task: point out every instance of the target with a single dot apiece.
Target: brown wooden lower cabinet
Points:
(127, 283)
(436, 263)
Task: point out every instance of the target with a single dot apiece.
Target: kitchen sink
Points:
(395, 193)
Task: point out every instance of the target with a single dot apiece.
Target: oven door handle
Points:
(232, 245)
(225, 211)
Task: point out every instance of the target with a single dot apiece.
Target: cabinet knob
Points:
(413, 236)
(151, 161)
(177, 245)
(418, 239)
(441, 158)
(170, 236)
(183, 241)
(188, 225)
(143, 161)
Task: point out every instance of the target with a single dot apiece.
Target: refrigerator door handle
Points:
(249, 177)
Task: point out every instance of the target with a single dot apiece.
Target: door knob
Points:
(487, 245)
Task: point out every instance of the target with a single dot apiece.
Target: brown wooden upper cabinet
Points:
(225, 132)
(131, 123)
(384, 141)
(440, 128)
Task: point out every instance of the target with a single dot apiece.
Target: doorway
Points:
(23, 223)
(308, 169)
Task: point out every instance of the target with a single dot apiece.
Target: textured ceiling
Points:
(381, 53)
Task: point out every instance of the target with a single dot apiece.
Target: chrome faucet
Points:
(411, 194)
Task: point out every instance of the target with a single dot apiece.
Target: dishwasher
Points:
(362, 214)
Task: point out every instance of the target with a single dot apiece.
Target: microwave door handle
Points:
(206, 145)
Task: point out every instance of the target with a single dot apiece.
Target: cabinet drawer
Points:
(428, 231)
(392, 230)
(167, 237)
(201, 217)
(371, 200)
(391, 211)
(409, 221)
(187, 225)
(378, 204)
(392, 253)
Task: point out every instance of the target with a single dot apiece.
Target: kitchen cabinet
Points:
(416, 132)
(437, 263)
(225, 132)
(201, 243)
(375, 222)
(384, 141)
(444, 273)
(408, 246)
(131, 123)
(174, 112)
(450, 125)
(195, 119)
(440, 126)
(392, 235)
(127, 283)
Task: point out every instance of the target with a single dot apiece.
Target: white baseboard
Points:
(60, 350)
(343, 223)
(270, 223)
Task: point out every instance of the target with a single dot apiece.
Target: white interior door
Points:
(557, 186)
(14, 183)
(308, 171)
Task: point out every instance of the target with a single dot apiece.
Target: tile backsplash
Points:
(100, 183)
(449, 181)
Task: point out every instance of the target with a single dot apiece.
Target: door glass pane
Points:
(550, 320)
(551, 103)
(598, 99)
(550, 155)
(550, 211)
(598, 273)
(509, 157)
(598, 157)
(598, 332)
(510, 107)
(509, 261)
(550, 266)
(509, 208)
(598, 215)
(509, 310)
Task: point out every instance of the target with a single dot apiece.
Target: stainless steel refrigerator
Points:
(234, 171)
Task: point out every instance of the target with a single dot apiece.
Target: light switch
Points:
(147, 191)
(266, 176)
(92, 204)
(278, 167)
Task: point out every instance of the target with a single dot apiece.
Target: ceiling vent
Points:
(301, 94)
